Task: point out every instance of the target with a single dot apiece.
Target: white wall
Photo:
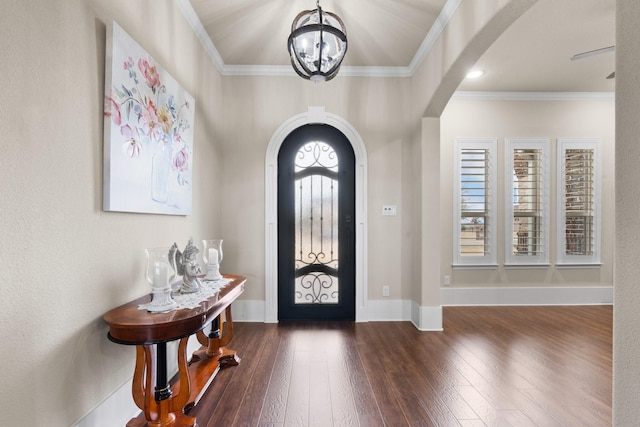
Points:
(65, 262)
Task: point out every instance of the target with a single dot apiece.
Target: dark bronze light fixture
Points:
(317, 44)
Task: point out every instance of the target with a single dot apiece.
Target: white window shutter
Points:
(475, 201)
(527, 201)
(579, 201)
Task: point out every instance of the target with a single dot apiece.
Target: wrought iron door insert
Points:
(315, 222)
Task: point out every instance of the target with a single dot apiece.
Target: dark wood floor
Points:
(491, 366)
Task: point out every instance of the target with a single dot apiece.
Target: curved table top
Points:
(130, 325)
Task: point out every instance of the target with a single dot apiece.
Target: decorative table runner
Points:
(208, 289)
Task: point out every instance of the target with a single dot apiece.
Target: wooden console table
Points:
(164, 404)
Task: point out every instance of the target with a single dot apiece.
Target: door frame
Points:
(312, 116)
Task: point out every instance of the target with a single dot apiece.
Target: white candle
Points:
(213, 256)
(160, 276)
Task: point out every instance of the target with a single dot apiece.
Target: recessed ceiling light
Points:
(474, 74)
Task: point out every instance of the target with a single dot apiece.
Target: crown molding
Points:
(286, 70)
(443, 19)
(533, 96)
(194, 20)
(375, 71)
(257, 70)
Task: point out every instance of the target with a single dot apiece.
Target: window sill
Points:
(475, 266)
(526, 266)
(574, 265)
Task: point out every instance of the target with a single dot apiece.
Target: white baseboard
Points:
(388, 310)
(426, 318)
(429, 318)
(248, 310)
(586, 295)
(116, 410)
(377, 310)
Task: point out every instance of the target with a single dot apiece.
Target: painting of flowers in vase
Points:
(148, 133)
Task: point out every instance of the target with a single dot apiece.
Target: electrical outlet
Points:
(385, 291)
(447, 280)
(389, 210)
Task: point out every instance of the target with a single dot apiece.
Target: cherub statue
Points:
(187, 266)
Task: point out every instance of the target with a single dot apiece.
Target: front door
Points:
(316, 225)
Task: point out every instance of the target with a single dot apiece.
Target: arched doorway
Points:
(314, 115)
(316, 225)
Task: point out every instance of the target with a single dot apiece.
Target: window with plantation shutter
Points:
(527, 201)
(579, 201)
(475, 202)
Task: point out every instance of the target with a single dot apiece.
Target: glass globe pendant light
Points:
(317, 44)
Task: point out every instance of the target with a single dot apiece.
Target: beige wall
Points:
(65, 262)
(376, 107)
(521, 119)
(626, 324)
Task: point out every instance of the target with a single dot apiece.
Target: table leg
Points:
(160, 407)
(216, 341)
(228, 357)
(206, 362)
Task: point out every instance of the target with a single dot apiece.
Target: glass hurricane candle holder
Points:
(159, 274)
(212, 256)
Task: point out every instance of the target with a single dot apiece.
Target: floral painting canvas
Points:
(148, 130)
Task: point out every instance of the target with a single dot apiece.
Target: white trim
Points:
(533, 96)
(443, 19)
(115, 410)
(561, 266)
(426, 318)
(287, 70)
(196, 25)
(472, 266)
(583, 144)
(584, 295)
(355, 71)
(389, 310)
(394, 310)
(526, 266)
(542, 144)
(430, 318)
(245, 310)
(258, 70)
(314, 115)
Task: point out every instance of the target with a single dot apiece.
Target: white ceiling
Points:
(388, 37)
